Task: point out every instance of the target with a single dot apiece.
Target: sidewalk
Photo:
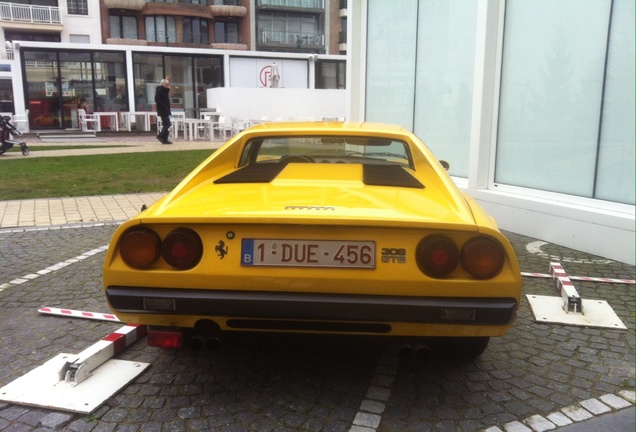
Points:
(87, 209)
(118, 142)
(72, 210)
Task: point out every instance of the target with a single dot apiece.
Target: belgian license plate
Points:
(308, 253)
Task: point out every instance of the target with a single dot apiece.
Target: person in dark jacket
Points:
(162, 99)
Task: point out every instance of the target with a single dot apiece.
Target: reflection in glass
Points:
(109, 72)
(42, 89)
(148, 73)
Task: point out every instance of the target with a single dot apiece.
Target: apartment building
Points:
(304, 26)
(84, 44)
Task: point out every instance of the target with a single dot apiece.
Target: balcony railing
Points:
(291, 38)
(30, 14)
(305, 4)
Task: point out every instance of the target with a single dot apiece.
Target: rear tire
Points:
(460, 347)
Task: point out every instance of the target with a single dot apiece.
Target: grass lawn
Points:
(54, 177)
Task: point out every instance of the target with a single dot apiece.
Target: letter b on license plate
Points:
(308, 253)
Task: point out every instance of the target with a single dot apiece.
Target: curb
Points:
(581, 411)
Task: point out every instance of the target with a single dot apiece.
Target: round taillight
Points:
(140, 247)
(482, 257)
(437, 256)
(182, 248)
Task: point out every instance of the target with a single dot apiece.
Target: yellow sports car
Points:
(324, 227)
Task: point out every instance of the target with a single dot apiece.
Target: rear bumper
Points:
(246, 306)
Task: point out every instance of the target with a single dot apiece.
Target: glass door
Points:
(179, 72)
(76, 86)
(42, 89)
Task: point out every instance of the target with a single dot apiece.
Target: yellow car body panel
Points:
(306, 203)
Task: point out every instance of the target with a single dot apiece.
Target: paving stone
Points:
(628, 395)
(372, 406)
(379, 393)
(539, 424)
(559, 419)
(516, 426)
(13, 412)
(56, 421)
(614, 401)
(595, 406)
(81, 426)
(367, 420)
(576, 413)
(355, 428)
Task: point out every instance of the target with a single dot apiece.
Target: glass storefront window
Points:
(190, 77)
(109, 71)
(444, 79)
(616, 153)
(391, 45)
(420, 64)
(42, 89)
(76, 85)
(330, 74)
(179, 71)
(148, 73)
(57, 83)
(566, 115)
(6, 96)
(208, 74)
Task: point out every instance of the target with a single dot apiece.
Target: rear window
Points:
(327, 149)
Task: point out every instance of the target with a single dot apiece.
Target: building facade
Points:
(531, 102)
(109, 55)
(303, 26)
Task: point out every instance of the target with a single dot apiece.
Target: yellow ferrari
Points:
(321, 227)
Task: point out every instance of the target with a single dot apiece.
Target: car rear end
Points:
(315, 247)
(336, 278)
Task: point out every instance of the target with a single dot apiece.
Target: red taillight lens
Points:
(437, 256)
(140, 247)
(165, 339)
(482, 257)
(182, 248)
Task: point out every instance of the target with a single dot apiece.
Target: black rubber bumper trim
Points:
(310, 306)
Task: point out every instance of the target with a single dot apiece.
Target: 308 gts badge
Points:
(393, 255)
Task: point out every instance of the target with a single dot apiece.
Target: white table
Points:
(114, 115)
(140, 120)
(176, 119)
(193, 127)
(147, 116)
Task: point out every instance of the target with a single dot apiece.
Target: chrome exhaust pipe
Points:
(422, 351)
(405, 351)
(213, 343)
(196, 342)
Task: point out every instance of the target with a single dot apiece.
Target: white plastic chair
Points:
(87, 119)
(239, 126)
(222, 127)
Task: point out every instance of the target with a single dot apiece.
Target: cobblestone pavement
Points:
(537, 377)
